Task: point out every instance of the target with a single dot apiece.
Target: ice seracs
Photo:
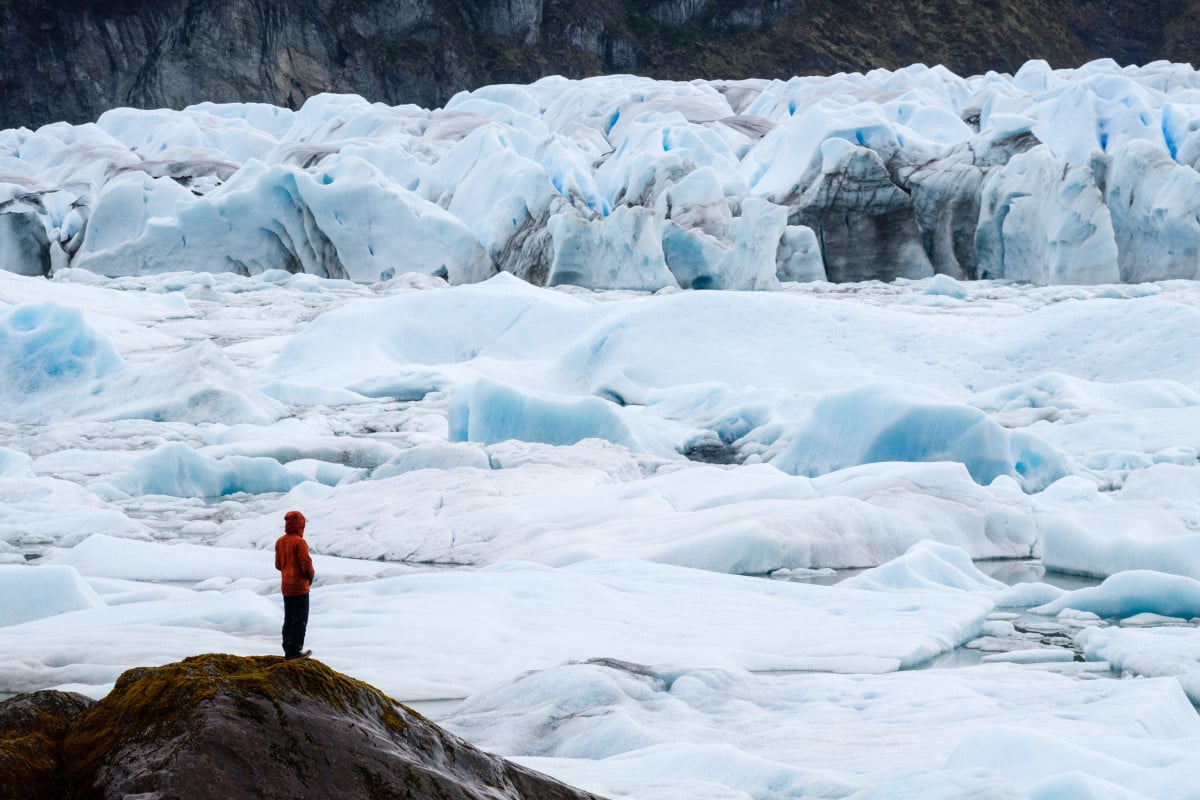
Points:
(1049, 176)
(1043, 220)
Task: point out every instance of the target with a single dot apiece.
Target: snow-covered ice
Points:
(583, 513)
(994, 731)
(557, 509)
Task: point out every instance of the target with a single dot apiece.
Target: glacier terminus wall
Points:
(621, 182)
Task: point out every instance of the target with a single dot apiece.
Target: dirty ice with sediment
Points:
(590, 517)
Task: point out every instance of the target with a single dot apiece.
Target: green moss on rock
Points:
(32, 729)
(152, 704)
(220, 726)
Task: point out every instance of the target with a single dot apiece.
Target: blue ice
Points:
(880, 423)
(1136, 591)
(490, 412)
(177, 470)
(48, 346)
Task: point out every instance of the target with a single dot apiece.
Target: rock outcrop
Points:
(73, 59)
(225, 727)
(32, 729)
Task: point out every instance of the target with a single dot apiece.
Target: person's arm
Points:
(306, 562)
(278, 558)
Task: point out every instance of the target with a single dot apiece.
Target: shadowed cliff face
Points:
(73, 60)
(221, 727)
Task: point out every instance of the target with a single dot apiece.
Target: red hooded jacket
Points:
(291, 556)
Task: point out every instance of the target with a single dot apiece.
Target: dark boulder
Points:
(225, 727)
(32, 729)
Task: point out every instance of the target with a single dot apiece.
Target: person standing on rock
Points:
(292, 559)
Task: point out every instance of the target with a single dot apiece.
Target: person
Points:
(292, 559)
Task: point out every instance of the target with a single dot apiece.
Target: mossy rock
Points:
(221, 726)
(32, 729)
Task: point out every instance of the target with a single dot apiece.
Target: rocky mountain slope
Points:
(73, 59)
(219, 726)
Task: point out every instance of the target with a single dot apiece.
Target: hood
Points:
(293, 523)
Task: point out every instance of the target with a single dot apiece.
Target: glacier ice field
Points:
(1083, 176)
(918, 517)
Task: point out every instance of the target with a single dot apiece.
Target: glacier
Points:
(915, 515)
(1047, 176)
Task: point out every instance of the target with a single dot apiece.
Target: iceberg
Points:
(489, 412)
(179, 471)
(929, 566)
(1133, 592)
(895, 423)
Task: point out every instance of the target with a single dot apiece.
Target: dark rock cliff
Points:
(219, 727)
(73, 59)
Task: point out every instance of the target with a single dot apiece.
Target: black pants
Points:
(295, 623)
